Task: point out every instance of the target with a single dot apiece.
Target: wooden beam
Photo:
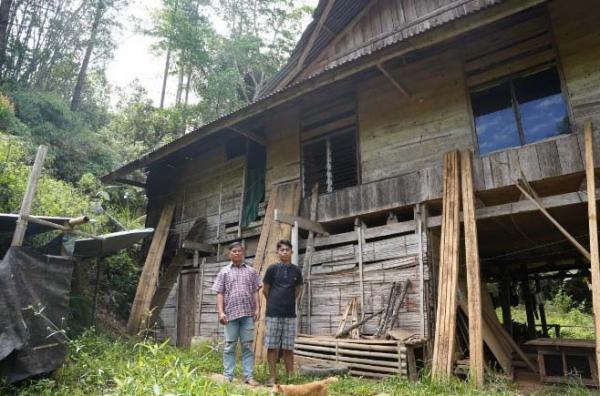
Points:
(250, 135)
(198, 246)
(303, 223)
(393, 80)
(149, 277)
(476, 361)
(306, 265)
(49, 224)
(360, 238)
(553, 201)
(530, 193)
(593, 225)
(27, 202)
(131, 182)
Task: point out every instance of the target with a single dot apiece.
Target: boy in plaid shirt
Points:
(237, 286)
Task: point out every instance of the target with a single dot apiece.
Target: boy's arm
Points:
(266, 288)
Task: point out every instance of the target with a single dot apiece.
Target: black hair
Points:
(284, 242)
(235, 244)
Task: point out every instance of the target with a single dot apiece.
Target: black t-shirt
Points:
(283, 279)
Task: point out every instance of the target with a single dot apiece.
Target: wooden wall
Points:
(577, 33)
(282, 129)
(399, 134)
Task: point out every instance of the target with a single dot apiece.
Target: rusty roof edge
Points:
(311, 83)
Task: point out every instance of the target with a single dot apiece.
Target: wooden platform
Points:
(366, 358)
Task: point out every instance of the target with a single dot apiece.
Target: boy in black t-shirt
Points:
(282, 286)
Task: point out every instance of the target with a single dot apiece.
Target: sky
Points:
(134, 58)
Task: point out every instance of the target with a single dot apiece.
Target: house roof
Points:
(384, 48)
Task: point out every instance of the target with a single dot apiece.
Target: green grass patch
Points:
(97, 364)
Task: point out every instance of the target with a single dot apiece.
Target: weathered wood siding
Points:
(577, 34)
(546, 159)
(335, 282)
(399, 134)
(283, 150)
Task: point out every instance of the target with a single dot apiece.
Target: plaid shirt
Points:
(237, 285)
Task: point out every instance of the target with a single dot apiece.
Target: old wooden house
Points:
(374, 94)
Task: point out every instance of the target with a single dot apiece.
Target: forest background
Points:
(54, 90)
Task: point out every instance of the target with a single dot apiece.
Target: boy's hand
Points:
(223, 319)
(256, 314)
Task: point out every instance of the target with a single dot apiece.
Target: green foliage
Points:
(100, 365)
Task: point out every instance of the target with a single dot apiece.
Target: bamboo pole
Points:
(593, 225)
(27, 202)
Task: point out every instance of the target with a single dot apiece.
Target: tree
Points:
(5, 7)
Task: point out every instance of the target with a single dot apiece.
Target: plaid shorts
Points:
(280, 333)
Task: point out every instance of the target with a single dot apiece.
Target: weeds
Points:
(100, 365)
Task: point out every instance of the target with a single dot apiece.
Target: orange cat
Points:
(317, 388)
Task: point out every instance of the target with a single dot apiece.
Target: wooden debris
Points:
(443, 350)
(357, 325)
(148, 280)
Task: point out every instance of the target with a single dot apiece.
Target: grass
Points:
(98, 364)
(556, 313)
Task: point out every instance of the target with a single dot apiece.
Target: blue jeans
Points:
(242, 329)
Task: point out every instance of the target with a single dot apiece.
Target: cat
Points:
(317, 388)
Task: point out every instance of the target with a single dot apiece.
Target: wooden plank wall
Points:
(283, 151)
(577, 35)
(400, 134)
(335, 281)
(557, 156)
(199, 197)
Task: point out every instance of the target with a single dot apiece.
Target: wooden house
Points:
(374, 94)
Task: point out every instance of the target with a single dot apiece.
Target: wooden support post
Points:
(476, 361)
(219, 219)
(149, 277)
(541, 309)
(505, 297)
(528, 302)
(295, 243)
(420, 227)
(444, 343)
(27, 202)
(359, 237)
(593, 226)
(307, 264)
(201, 296)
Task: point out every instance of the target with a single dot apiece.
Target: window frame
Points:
(509, 79)
(328, 162)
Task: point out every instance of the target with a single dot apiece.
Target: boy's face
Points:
(285, 253)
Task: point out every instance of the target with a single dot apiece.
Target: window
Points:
(520, 111)
(331, 162)
(329, 144)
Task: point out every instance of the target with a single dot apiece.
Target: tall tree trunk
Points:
(179, 85)
(76, 99)
(188, 85)
(165, 77)
(5, 6)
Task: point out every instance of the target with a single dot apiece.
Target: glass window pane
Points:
(495, 120)
(541, 105)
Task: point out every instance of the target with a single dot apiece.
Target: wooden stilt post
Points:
(593, 226)
(473, 272)
(359, 237)
(505, 297)
(27, 202)
(528, 303)
(306, 265)
(149, 277)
